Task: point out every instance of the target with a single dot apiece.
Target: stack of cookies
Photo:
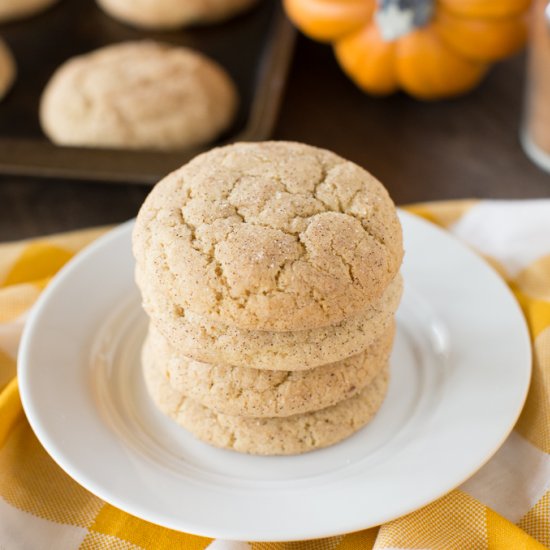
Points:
(270, 275)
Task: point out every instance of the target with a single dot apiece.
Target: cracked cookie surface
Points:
(277, 236)
(171, 14)
(295, 434)
(264, 393)
(7, 69)
(138, 95)
(210, 341)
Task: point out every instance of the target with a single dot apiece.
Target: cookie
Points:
(276, 236)
(265, 393)
(172, 14)
(17, 9)
(212, 342)
(295, 434)
(138, 95)
(7, 69)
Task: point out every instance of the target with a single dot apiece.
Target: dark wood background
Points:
(467, 147)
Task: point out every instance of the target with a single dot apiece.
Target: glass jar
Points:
(535, 134)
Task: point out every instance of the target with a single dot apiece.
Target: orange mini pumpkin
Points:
(429, 48)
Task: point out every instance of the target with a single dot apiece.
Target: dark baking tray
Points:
(255, 47)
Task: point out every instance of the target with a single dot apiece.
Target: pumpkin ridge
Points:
(428, 69)
(485, 8)
(481, 39)
(327, 20)
(368, 60)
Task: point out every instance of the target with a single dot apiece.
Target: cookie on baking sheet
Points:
(264, 393)
(7, 69)
(172, 14)
(277, 236)
(295, 434)
(213, 342)
(138, 95)
(18, 9)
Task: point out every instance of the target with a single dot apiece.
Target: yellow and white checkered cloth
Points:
(506, 505)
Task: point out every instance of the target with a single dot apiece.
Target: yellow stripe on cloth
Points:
(534, 281)
(362, 540)
(98, 541)
(37, 261)
(75, 241)
(17, 299)
(113, 522)
(537, 521)
(11, 411)
(503, 535)
(31, 481)
(444, 213)
(537, 312)
(8, 371)
(454, 522)
(8, 256)
(534, 422)
(332, 543)
(28, 261)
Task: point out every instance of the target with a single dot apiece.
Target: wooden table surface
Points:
(454, 149)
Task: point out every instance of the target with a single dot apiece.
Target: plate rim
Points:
(178, 523)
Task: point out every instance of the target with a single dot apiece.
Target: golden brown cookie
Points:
(210, 341)
(138, 95)
(172, 14)
(264, 393)
(268, 436)
(277, 236)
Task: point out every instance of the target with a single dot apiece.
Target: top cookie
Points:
(275, 236)
(171, 14)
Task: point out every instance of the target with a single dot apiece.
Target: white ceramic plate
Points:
(460, 373)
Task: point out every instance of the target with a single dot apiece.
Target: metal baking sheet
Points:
(255, 48)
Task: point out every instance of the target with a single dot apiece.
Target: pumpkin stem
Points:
(396, 18)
